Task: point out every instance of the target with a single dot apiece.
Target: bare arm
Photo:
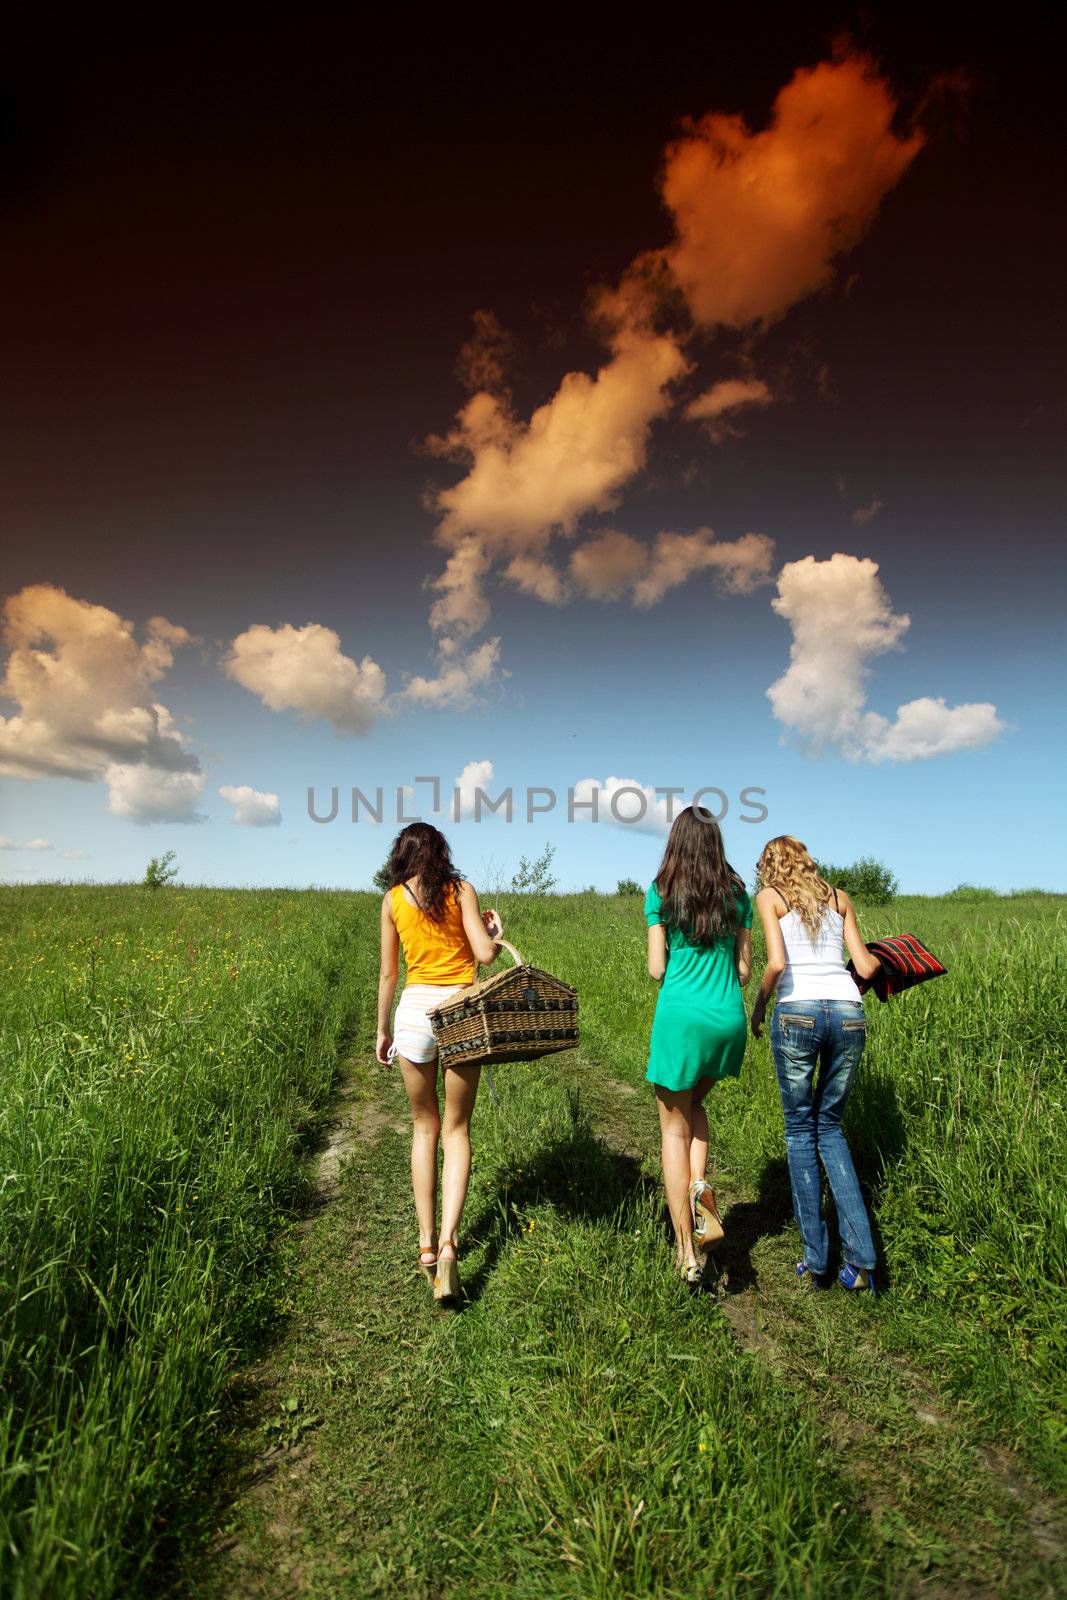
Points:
(866, 965)
(743, 955)
(767, 903)
(657, 951)
(485, 948)
(390, 958)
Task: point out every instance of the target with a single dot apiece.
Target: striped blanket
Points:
(905, 961)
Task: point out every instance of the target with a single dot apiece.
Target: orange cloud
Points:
(758, 221)
(759, 217)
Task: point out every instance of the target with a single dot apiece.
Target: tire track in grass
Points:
(582, 1427)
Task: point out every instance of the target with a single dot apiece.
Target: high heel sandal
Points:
(446, 1279)
(429, 1267)
(708, 1230)
(691, 1273)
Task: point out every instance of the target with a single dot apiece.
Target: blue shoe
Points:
(857, 1278)
(808, 1279)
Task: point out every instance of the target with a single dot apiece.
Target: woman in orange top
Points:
(432, 913)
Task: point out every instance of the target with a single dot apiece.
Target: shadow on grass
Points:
(746, 1223)
(576, 1173)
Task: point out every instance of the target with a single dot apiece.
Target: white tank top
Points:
(815, 970)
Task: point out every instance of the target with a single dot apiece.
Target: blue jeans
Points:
(829, 1034)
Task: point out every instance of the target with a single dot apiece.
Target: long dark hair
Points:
(421, 851)
(698, 887)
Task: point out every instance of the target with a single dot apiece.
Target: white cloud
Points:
(475, 775)
(841, 618)
(459, 675)
(85, 689)
(38, 844)
(928, 727)
(146, 794)
(75, 854)
(642, 811)
(8, 844)
(253, 808)
(305, 670)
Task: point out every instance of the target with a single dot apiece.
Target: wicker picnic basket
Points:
(515, 1015)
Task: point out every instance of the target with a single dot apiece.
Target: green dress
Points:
(699, 1028)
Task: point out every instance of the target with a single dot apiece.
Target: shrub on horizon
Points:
(867, 879)
(159, 871)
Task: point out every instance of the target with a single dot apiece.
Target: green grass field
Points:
(215, 1387)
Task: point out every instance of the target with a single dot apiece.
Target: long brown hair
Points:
(788, 866)
(421, 851)
(698, 887)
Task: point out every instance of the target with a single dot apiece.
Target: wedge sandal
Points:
(708, 1230)
(446, 1279)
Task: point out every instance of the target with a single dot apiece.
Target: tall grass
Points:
(161, 1055)
(164, 1058)
(958, 1124)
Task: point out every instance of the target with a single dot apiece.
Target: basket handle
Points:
(512, 952)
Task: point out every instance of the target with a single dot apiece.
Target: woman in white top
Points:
(818, 1022)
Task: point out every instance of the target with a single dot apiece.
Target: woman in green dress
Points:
(700, 952)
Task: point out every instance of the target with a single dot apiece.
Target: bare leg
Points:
(698, 1145)
(676, 1137)
(420, 1081)
(461, 1091)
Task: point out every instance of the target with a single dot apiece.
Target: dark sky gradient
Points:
(238, 267)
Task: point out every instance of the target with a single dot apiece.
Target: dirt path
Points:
(960, 1516)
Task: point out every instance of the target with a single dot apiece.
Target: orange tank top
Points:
(435, 952)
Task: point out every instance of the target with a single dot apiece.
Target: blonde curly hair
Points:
(786, 865)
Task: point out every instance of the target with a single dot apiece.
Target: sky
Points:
(573, 416)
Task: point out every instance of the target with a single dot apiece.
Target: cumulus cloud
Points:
(928, 727)
(38, 844)
(760, 217)
(538, 577)
(841, 618)
(740, 565)
(526, 480)
(622, 801)
(475, 775)
(146, 794)
(75, 854)
(305, 670)
(758, 221)
(604, 568)
(614, 564)
(252, 808)
(85, 689)
(717, 405)
(462, 607)
(459, 675)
